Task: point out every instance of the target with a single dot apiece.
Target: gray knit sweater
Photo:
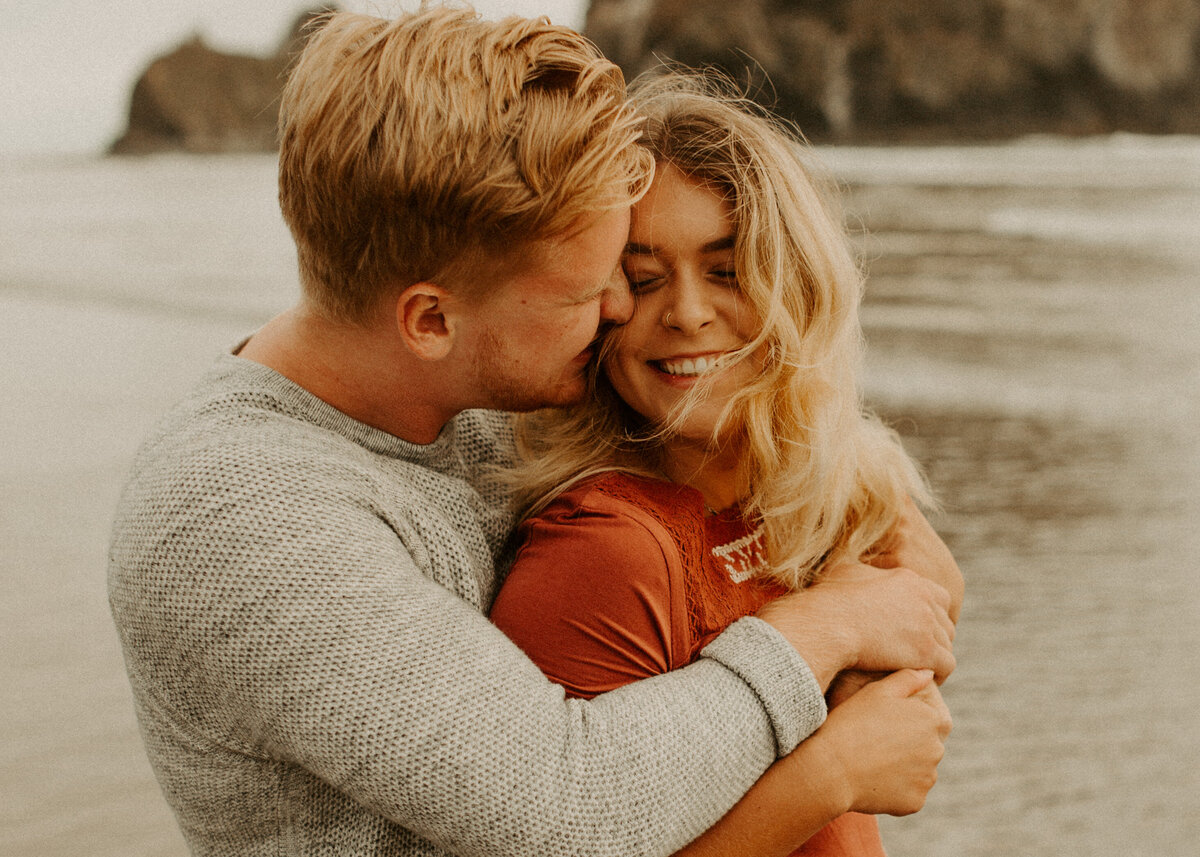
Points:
(299, 598)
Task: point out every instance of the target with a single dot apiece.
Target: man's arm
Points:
(914, 544)
(331, 650)
(868, 619)
(596, 598)
(878, 753)
(898, 612)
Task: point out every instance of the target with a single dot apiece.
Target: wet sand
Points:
(90, 382)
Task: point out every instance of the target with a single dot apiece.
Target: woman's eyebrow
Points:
(725, 243)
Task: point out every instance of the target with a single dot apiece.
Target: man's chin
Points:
(570, 398)
(567, 396)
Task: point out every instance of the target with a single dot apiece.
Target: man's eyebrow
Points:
(639, 249)
(598, 289)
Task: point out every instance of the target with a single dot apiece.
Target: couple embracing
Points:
(684, 602)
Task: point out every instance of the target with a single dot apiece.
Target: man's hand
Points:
(866, 618)
(912, 543)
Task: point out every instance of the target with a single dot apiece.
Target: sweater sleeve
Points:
(333, 652)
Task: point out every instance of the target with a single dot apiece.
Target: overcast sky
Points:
(67, 67)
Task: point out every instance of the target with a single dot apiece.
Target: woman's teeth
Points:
(687, 366)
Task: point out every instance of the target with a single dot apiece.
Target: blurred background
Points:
(1022, 179)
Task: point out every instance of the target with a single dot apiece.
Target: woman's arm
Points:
(595, 599)
(877, 753)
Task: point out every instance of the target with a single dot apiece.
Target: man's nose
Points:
(617, 304)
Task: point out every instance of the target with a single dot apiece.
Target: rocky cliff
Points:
(931, 69)
(196, 99)
(845, 70)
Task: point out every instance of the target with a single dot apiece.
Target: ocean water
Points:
(1033, 323)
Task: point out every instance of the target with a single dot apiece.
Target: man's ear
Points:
(423, 322)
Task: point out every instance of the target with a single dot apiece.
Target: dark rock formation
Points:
(196, 99)
(931, 69)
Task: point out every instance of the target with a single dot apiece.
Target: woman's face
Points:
(689, 312)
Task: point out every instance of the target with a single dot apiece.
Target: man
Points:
(302, 555)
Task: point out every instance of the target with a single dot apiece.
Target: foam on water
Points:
(1120, 161)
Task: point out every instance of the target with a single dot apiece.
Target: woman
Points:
(724, 457)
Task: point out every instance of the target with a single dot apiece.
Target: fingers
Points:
(945, 602)
(870, 619)
(905, 683)
(943, 629)
(943, 664)
(926, 638)
(932, 696)
(890, 738)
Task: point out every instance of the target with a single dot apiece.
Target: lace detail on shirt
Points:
(713, 597)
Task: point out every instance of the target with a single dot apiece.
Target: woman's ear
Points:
(423, 322)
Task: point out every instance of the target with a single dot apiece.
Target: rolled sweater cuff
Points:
(775, 671)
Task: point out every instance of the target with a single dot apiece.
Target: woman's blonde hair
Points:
(438, 145)
(828, 479)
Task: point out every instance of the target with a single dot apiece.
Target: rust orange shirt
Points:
(621, 578)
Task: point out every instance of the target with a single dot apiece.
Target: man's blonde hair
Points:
(828, 479)
(435, 146)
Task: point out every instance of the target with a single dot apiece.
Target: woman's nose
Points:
(690, 307)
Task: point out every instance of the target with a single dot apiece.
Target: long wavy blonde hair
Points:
(828, 479)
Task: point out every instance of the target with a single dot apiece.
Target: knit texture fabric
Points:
(299, 599)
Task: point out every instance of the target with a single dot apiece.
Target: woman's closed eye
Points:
(641, 282)
(726, 275)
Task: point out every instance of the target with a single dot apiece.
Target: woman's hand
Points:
(877, 753)
(884, 742)
(848, 683)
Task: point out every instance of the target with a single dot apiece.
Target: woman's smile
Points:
(690, 320)
(690, 367)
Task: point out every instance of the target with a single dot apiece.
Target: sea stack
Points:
(197, 99)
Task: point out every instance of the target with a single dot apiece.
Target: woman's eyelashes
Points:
(725, 275)
(643, 281)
